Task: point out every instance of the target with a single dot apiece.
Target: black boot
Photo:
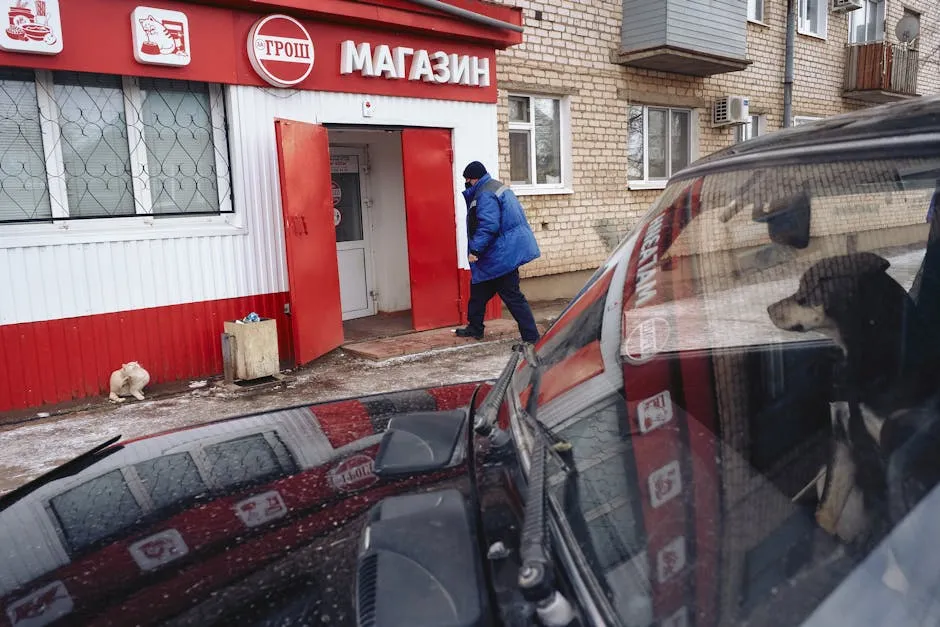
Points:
(469, 332)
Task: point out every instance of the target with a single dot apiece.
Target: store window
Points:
(538, 146)
(77, 145)
(813, 17)
(660, 143)
(867, 25)
(753, 128)
(755, 10)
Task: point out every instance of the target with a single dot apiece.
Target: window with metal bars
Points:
(76, 145)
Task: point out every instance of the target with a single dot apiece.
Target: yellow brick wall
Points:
(568, 52)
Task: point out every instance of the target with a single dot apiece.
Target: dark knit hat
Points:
(475, 170)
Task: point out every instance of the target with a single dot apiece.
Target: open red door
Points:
(439, 290)
(303, 157)
(427, 160)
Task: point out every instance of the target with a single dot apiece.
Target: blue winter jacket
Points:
(497, 230)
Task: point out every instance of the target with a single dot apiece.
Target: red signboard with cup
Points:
(34, 26)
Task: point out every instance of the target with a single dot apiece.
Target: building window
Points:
(537, 142)
(659, 142)
(753, 128)
(76, 145)
(813, 15)
(867, 25)
(755, 10)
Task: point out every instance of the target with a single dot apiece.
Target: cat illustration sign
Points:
(34, 26)
(161, 37)
(280, 50)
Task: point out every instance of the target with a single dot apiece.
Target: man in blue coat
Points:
(499, 241)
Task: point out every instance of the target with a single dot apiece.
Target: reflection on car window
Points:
(248, 460)
(780, 351)
(95, 510)
(170, 479)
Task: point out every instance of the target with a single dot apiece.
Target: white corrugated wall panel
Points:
(117, 269)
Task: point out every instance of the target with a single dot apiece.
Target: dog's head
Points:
(826, 288)
(130, 366)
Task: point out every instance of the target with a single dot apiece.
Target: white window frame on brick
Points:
(755, 127)
(872, 14)
(564, 186)
(822, 17)
(660, 183)
(144, 224)
(755, 11)
(799, 120)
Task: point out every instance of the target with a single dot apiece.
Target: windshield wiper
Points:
(68, 469)
(536, 575)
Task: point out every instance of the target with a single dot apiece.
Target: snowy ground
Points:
(33, 448)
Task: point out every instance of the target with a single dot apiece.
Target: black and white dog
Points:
(885, 444)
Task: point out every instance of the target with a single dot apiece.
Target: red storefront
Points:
(173, 165)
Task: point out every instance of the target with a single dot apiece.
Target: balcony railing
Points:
(880, 71)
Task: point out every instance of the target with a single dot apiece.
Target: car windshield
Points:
(739, 382)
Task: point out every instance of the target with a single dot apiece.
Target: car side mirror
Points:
(422, 442)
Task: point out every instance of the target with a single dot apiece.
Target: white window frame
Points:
(757, 124)
(534, 189)
(805, 119)
(754, 15)
(646, 182)
(143, 224)
(864, 13)
(823, 16)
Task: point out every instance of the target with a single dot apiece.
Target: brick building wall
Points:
(567, 53)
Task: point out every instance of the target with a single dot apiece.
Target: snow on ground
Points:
(36, 447)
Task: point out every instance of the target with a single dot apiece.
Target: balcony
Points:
(880, 72)
(689, 37)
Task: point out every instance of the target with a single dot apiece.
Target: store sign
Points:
(160, 37)
(159, 549)
(34, 26)
(280, 50)
(44, 606)
(403, 63)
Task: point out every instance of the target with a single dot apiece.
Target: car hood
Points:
(256, 517)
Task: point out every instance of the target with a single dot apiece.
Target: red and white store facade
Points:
(167, 166)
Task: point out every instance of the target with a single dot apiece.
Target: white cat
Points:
(130, 380)
(158, 34)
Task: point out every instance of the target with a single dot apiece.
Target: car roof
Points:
(916, 119)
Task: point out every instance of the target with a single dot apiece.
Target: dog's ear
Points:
(869, 263)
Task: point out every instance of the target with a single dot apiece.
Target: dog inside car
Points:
(885, 417)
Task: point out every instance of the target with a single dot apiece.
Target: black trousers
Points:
(507, 286)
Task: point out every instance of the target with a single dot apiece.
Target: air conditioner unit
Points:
(731, 110)
(846, 6)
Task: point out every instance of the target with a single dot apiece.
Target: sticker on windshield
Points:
(261, 508)
(670, 560)
(679, 619)
(665, 484)
(646, 340)
(159, 549)
(654, 412)
(44, 606)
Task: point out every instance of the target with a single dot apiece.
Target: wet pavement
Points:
(39, 444)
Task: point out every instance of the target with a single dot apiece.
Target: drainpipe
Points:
(788, 66)
(469, 15)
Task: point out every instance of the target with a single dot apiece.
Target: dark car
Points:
(734, 422)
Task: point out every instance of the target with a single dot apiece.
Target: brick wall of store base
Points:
(567, 52)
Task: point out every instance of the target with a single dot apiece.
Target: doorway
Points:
(352, 219)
